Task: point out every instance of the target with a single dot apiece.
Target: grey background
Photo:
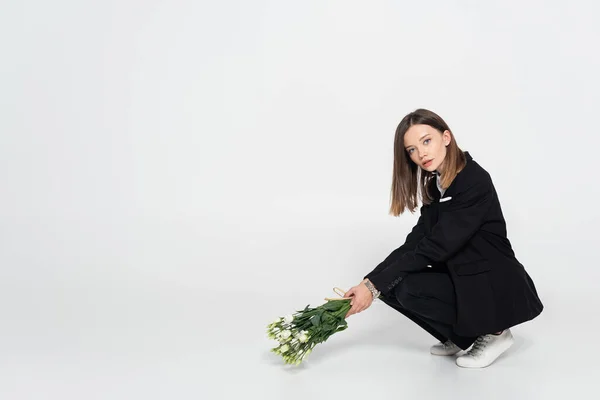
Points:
(177, 174)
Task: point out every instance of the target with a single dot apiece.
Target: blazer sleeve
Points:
(414, 236)
(456, 225)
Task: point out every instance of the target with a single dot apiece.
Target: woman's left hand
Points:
(361, 298)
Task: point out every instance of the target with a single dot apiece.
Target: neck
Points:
(440, 168)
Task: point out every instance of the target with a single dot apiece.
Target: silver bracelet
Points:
(372, 289)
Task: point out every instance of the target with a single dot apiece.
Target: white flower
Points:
(288, 319)
(286, 334)
(284, 348)
(303, 338)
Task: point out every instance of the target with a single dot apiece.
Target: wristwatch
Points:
(372, 289)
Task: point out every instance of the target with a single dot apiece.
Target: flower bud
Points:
(286, 334)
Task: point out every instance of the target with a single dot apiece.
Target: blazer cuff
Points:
(387, 279)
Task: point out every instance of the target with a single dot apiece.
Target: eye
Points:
(410, 151)
(426, 140)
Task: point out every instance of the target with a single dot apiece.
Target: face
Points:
(426, 146)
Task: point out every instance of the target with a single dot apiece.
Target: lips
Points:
(427, 163)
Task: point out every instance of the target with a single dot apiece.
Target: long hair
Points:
(408, 179)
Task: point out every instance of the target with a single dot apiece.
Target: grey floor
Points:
(119, 309)
(174, 342)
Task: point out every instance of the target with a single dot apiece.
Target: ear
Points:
(446, 137)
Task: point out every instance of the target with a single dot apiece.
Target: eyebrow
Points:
(421, 138)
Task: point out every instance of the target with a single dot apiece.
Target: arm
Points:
(417, 233)
(457, 224)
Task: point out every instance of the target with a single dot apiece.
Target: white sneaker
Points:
(444, 349)
(485, 350)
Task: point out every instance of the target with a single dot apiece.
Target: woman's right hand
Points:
(361, 298)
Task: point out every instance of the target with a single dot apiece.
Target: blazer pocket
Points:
(472, 267)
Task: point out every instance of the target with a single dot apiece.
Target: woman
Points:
(456, 275)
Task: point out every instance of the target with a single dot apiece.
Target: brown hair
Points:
(409, 180)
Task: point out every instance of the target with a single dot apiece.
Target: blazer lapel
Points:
(452, 188)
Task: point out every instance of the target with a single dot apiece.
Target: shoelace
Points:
(479, 345)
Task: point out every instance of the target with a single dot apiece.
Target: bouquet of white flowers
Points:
(300, 332)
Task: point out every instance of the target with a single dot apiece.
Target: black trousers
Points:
(428, 299)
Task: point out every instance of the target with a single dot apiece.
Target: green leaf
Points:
(316, 320)
(335, 305)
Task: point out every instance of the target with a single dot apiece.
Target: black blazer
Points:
(466, 232)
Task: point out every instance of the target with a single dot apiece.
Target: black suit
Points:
(465, 238)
